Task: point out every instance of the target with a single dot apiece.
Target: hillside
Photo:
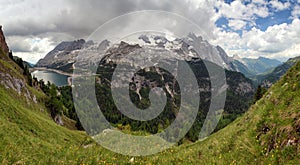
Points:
(267, 133)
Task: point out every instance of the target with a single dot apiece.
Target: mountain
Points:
(25, 63)
(261, 64)
(239, 92)
(241, 67)
(189, 49)
(269, 133)
(267, 80)
(251, 67)
(64, 55)
(266, 134)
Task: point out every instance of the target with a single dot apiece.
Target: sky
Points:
(247, 28)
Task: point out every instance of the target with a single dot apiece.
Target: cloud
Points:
(296, 11)
(236, 24)
(278, 41)
(18, 44)
(293, 51)
(280, 5)
(73, 19)
(30, 48)
(50, 22)
(80, 18)
(238, 10)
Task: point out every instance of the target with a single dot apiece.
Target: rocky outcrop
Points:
(11, 78)
(63, 55)
(16, 84)
(3, 44)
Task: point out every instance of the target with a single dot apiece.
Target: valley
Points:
(153, 99)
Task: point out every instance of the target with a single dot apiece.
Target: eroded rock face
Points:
(8, 79)
(16, 84)
(3, 44)
(63, 55)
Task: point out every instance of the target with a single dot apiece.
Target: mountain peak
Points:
(189, 47)
(194, 36)
(236, 57)
(3, 44)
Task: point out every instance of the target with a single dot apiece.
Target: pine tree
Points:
(260, 91)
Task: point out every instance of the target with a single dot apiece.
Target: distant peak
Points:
(194, 36)
(236, 57)
(262, 57)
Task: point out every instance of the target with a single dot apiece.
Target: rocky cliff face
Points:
(63, 56)
(3, 44)
(11, 75)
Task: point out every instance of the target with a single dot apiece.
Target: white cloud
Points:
(296, 11)
(49, 23)
(30, 49)
(18, 44)
(278, 41)
(238, 10)
(237, 24)
(293, 51)
(261, 2)
(280, 5)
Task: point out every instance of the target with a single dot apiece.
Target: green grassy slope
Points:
(267, 134)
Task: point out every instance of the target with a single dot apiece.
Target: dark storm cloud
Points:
(57, 21)
(73, 17)
(79, 18)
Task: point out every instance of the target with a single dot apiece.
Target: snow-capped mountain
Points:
(191, 47)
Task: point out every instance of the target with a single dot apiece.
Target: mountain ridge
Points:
(268, 133)
(183, 46)
(255, 66)
(267, 80)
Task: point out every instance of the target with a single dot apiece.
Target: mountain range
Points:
(251, 67)
(268, 133)
(268, 79)
(64, 55)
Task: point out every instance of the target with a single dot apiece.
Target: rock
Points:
(34, 99)
(58, 120)
(3, 44)
(131, 160)
(65, 54)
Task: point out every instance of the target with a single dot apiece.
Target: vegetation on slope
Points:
(238, 100)
(267, 134)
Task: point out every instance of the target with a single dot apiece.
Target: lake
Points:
(53, 77)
